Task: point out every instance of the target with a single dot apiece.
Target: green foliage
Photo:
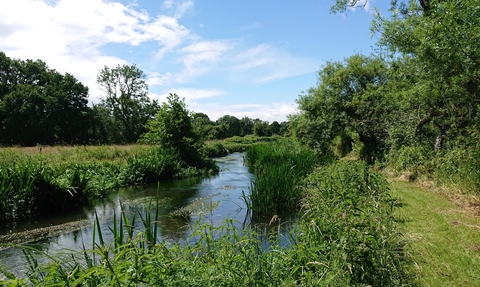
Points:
(236, 144)
(278, 169)
(344, 237)
(348, 99)
(127, 102)
(172, 129)
(57, 180)
(40, 105)
(350, 214)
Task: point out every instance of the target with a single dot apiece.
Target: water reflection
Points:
(209, 200)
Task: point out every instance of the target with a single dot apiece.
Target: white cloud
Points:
(68, 34)
(191, 95)
(360, 4)
(272, 112)
(265, 63)
(199, 58)
(180, 7)
(157, 79)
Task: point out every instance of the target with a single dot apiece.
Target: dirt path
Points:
(443, 236)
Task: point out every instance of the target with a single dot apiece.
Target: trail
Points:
(443, 237)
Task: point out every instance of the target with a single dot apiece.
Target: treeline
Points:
(38, 105)
(414, 106)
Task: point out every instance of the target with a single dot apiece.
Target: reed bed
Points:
(278, 169)
(52, 180)
(345, 236)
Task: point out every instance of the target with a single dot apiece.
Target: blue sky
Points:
(241, 58)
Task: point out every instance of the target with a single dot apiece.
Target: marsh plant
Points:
(278, 169)
(346, 235)
(36, 182)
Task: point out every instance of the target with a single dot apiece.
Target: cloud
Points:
(265, 63)
(69, 35)
(272, 112)
(157, 79)
(199, 57)
(360, 4)
(179, 7)
(191, 94)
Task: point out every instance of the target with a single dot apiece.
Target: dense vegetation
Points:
(38, 105)
(344, 237)
(412, 107)
(58, 179)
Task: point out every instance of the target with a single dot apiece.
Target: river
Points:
(181, 202)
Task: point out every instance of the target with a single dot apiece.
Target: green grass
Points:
(278, 169)
(443, 238)
(344, 237)
(42, 180)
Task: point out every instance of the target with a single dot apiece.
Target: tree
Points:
(443, 58)
(126, 98)
(348, 103)
(275, 128)
(229, 126)
(172, 128)
(40, 105)
(246, 124)
(261, 128)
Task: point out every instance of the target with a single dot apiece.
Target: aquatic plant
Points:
(345, 236)
(278, 169)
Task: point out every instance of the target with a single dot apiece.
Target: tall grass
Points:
(44, 181)
(346, 236)
(278, 169)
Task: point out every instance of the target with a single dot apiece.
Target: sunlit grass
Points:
(443, 238)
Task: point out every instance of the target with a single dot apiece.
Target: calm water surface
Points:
(209, 200)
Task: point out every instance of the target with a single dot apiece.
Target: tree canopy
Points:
(38, 105)
(126, 100)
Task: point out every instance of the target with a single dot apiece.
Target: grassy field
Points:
(443, 237)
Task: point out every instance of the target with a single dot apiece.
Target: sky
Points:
(243, 58)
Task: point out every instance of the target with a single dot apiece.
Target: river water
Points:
(181, 203)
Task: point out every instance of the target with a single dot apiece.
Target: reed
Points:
(278, 169)
(345, 236)
(54, 179)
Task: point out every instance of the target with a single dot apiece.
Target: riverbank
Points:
(443, 236)
(53, 180)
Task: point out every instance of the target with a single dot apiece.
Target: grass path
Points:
(443, 238)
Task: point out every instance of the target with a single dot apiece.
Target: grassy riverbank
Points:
(443, 236)
(43, 180)
(345, 236)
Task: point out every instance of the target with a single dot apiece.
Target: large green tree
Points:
(436, 42)
(126, 98)
(348, 103)
(38, 105)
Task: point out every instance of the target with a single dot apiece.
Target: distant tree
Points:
(126, 98)
(246, 124)
(203, 125)
(261, 128)
(284, 129)
(40, 105)
(275, 128)
(172, 128)
(229, 125)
